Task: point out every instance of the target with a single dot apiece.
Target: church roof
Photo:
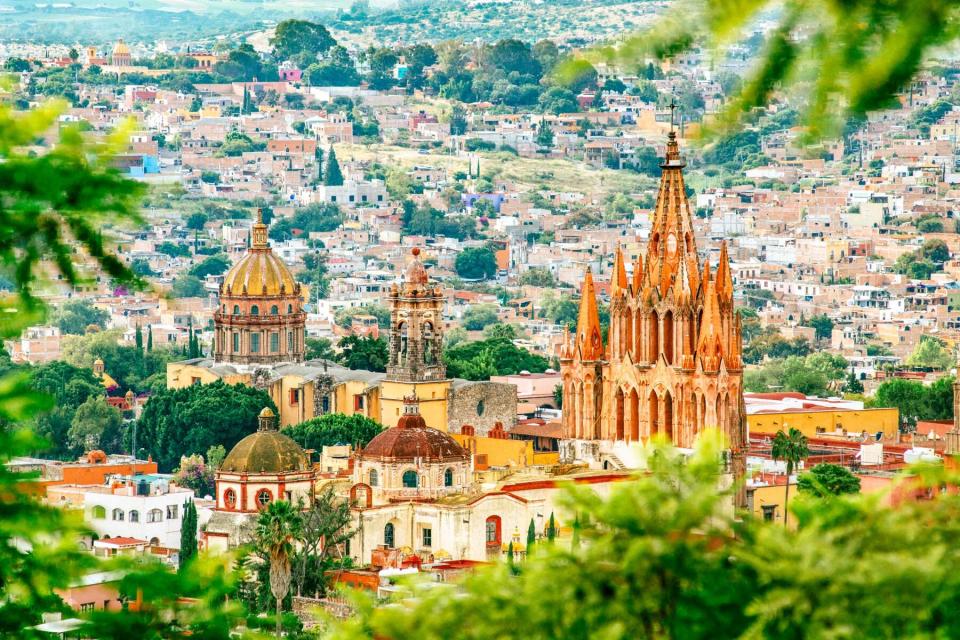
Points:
(413, 440)
(266, 451)
(259, 272)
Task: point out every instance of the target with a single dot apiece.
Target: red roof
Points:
(121, 541)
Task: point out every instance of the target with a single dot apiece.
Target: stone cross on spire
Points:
(673, 112)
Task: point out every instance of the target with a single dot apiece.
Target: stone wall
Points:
(482, 405)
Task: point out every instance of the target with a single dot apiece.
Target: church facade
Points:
(670, 366)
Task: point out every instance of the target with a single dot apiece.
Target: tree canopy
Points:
(332, 429)
(188, 421)
(492, 357)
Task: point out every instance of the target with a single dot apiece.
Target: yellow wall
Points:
(432, 396)
(180, 375)
(499, 452)
(293, 413)
(546, 458)
(869, 420)
(776, 495)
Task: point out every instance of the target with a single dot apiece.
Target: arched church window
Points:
(289, 308)
(118, 514)
(428, 343)
(274, 310)
(374, 477)
(134, 516)
(404, 339)
(254, 310)
(236, 309)
(481, 407)
(410, 479)
(493, 531)
(99, 512)
(388, 539)
(448, 478)
(230, 499)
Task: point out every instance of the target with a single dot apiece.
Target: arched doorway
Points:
(668, 416)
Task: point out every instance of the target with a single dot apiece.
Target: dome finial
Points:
(267, 420)
(259, 232)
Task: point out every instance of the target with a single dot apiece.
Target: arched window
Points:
(289, 308)
(134, 516)
(388, 539)
(154, 515)
(654, 337)
(668, 337)
(402, 355)
(254, 310)
(448, 478)
(236, 309)
(428, 343)
(99, 512)
(274, 310)
(230, 499)
(264, 497)
(410, 479)
(374, 478)
(117, 515)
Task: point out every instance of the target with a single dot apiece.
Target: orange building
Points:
(671, 365)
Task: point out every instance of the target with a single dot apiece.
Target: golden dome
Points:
(121, 48)
(259, 272)
(266, 451)
(267, 412)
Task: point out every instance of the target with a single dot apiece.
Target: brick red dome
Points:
(412, 439)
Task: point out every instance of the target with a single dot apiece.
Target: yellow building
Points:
(768, 413)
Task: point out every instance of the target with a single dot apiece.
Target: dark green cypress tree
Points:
(333, 177)
(149, 338)
(138, 337)
(188, 533)
(531, 536)
(552, 528)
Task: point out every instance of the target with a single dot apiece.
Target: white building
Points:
(143, 507)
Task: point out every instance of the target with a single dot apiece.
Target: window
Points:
(254, 310)
(154, 515)
(134, 516)
(448, 478)
(274, 310)
(294, 397)
(172, 511)
(254, 343)
(493, 531)
(388, 535)
(86, 606)
(236, 342)
(289, 341)
(480, 408)
(768, 511)
(230, 499)
(236, 309)
(99, 512)
(264, 497)
(117, 515)
(410, 479)
(357, 402)
(289, 308)
(274, 342)
(374, 477)
(427, 537)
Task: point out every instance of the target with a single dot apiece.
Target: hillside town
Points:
(414, 292)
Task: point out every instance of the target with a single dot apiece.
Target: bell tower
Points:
(415, 365)
(416, 332)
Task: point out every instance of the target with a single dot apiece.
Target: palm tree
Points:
(791, 447)
(277, 528)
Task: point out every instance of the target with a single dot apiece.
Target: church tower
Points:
(260, 320)
(415, 366)
(671, 364)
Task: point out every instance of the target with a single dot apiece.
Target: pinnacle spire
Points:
(724, 277)
(618, 283)
(638, 274)
(589, 337)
